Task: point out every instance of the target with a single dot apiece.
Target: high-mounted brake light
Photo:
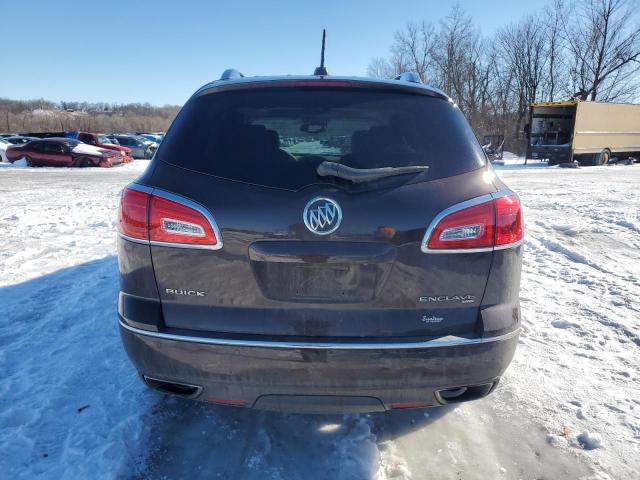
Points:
(477, 225)
(166, 220)
(322, 83)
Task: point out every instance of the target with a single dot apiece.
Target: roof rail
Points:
(409, 77)
(231, 74)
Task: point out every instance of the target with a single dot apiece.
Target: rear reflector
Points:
(222, 401)
(165, 219)
(477, 225)
(402, 405)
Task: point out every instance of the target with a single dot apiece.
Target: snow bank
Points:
(576, 368)
(22, 163)
(71, 405)
(87, 149)
(70, 402)
(589, 440)
(130, 170)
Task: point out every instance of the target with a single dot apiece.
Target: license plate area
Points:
(325, 282)
(333, 283)
(321, 272)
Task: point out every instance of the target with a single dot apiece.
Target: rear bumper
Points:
(319, 378)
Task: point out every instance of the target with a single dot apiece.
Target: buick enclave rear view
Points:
(320, 244)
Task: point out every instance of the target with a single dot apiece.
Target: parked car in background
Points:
(140, 146)
(8, 140)
(63, 152)
(3, 149)
(19, 139)
(154, 137)
(102, 141)
(377, 273)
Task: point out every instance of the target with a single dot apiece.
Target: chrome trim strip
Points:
(606, 132)
(134, 240)
(461, 206)
(450, 341)
(140, 188)
(183, 201)
(509, 245)
(165, 244)
(598, 150)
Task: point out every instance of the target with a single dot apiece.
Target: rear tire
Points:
(29, 161)
(603, 157)
(84, 163)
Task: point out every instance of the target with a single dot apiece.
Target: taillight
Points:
(509, 224)
(167, 220)
(173, 222)
(472, 227)
(134, 212)
(477, 225)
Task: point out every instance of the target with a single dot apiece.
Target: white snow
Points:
(71, 405)
(21, 163)
(3, 151)
(577, 368)
(87, 149)
(589, 440)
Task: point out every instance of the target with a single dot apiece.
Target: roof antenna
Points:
(321, 70)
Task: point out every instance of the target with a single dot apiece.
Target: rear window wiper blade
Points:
(357, 175)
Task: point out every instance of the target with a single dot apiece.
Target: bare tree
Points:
(380, 68)
(414, 47)
(412, 50)
(456, 38)
(42, 116)
(523, 47)
(605, 50)
(555, 16)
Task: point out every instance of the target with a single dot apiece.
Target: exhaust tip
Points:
(464, 393)
(179, 389)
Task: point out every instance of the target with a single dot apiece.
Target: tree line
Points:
(45, 116)
(585, 50)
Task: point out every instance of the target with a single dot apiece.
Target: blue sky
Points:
(161, 51)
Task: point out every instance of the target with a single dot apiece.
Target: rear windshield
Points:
(277, 137)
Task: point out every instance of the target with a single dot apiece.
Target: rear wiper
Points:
(357, 175)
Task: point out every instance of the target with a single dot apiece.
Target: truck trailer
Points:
(591, 133)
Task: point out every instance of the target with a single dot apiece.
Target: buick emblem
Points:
(322, 216)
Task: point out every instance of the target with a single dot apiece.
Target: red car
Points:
(99, 140)
(63, 152)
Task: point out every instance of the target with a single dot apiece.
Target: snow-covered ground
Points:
(72, 407)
